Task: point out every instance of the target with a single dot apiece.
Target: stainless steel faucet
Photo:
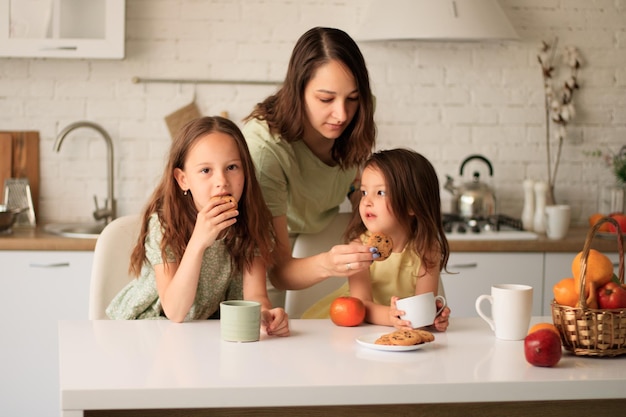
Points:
(108, 212)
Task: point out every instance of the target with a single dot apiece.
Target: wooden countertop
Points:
(37, 239)
(24, 238)
(573, 242)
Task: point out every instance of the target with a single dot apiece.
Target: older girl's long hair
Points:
(285, 113)
(413, 191)
(252, 235)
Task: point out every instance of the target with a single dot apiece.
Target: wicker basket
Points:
(593, 332)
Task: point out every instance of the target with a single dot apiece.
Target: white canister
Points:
(528, 212)
(539, 224)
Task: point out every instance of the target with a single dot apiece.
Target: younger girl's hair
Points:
(285, 112)
(413, 196)
(252, 235)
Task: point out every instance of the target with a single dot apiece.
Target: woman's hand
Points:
(442, 320)
(275, 322)
(346, 260)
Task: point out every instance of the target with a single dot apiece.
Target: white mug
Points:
(511, 308)
(557, 221)
(421, 309)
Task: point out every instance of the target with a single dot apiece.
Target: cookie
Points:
(383, 340)
(226, 199)
(424, 335)
(383, 243)
(405, 338)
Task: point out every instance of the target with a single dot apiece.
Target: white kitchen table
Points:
(140, 367)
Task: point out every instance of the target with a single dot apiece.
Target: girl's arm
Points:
(428, 281)
(297, 273)
(177, 283)
(361, 287)
(273, 320)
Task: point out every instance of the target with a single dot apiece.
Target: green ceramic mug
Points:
(240, 320)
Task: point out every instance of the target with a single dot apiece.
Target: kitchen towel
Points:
(180, 117)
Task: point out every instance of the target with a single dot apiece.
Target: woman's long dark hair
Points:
(252, 235)
(284, 111)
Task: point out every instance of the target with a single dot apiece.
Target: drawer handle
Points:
(52, 265)
(468, 265)
(59, 48)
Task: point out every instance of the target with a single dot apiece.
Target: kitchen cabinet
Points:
(62, 28)
(473, 273)
(39, 288)
(559, 266)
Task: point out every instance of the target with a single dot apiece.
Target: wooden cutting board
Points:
(6, 160)
(19, 158)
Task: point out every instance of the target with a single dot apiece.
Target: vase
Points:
(612, 199)
(550, 199)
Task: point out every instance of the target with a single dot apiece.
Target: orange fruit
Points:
(347, 311)
(599, 270)
(546, 325)
(593, 219)
(564, 292)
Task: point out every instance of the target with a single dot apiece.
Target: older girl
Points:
(197, 248)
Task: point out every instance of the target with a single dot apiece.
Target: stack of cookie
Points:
(405, 338)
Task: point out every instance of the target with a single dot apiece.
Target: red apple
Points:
(543, 348)
(611, 295)
(621, 220)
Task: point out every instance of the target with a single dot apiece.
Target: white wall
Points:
(446, 100)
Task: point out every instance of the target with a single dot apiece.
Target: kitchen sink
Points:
(75, 230)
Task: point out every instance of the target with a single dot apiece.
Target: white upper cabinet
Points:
(62, 28)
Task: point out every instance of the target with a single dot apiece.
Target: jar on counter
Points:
(612, 199)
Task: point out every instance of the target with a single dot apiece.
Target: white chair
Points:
(298, 301)
(109, 273)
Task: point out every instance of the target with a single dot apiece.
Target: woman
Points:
(308, 142)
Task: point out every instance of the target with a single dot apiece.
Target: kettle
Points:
(473, 199)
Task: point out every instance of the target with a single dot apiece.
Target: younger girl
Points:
(400, 198)
(196, 248)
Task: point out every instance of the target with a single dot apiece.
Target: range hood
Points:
(434, 20)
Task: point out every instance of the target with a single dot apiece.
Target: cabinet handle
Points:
(52, 265)
(468, 265)
(58, 48)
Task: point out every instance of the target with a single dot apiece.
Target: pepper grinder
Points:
(539, 224)
(528, 212)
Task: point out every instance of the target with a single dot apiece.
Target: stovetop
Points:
(496, 227)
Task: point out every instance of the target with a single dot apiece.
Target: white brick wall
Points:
(446, 100)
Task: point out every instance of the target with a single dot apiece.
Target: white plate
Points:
(369, 339)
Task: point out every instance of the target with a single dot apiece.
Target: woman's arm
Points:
(274, 320)
(298, 273)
